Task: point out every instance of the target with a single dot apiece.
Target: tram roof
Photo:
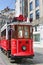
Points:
(4, 27)
(20, 23)
(15, 23)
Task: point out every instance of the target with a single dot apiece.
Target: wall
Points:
(39, 31)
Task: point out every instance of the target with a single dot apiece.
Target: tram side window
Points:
(3, 34)
(9, 34)
(14, 32)
(20, 31)
(26, 31)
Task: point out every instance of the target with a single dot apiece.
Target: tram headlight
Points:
(24, 48)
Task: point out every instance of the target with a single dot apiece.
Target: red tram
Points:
(0, 43)
(17, 40)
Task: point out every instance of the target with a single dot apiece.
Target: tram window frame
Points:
(21, 32)
(14, 31)
(16, 36)
(3, 34)
(28, 31)
(24, 32)
(31, 32)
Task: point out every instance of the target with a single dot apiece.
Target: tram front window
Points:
(20, 31)
(26, 32)
(23, 31)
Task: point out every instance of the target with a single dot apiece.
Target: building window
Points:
(35, 28)
(23, 3)
(20, 9)
(36, 37)
(37, 14)
(23, 7)
(36, 3)
(31, 6)
(31, 16)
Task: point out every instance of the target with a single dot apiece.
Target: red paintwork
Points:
(16, 47)
(5, 44)
(20, 18)
(13, 46)
(0, 43)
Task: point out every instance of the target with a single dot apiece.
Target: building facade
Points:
(6, 15)
(8, 12)
(35, 12)
(38, 36)
(21, 7)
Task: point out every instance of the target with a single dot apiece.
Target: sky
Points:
(7, 3)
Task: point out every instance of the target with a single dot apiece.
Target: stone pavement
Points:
(1, 61)
(37, 60)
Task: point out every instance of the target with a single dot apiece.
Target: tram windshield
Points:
(21, 31)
